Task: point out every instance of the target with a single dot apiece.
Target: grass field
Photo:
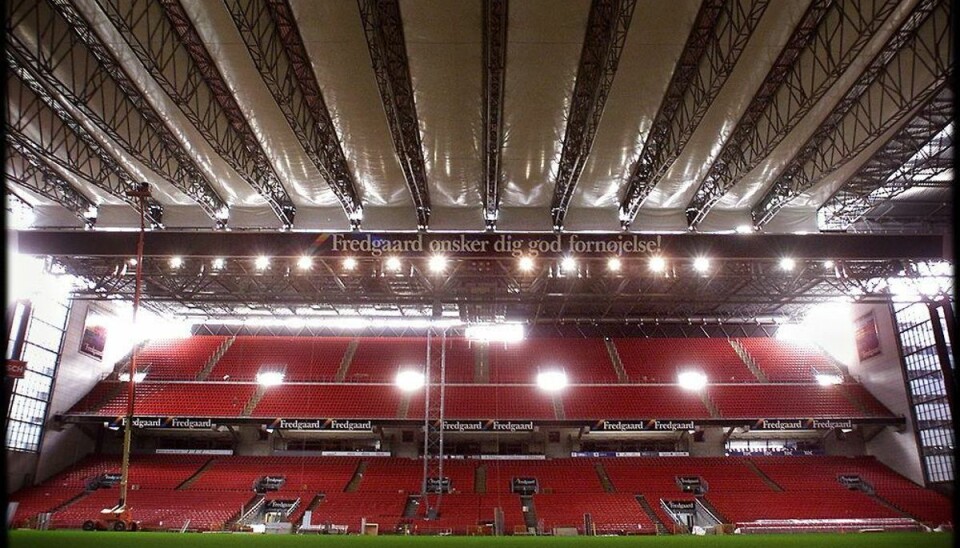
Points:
(82, 539)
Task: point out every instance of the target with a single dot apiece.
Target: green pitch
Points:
(82, 539)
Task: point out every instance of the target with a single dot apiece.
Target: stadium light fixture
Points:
(692, 380)
(393, 263)
(614, 264)
(828, 380)
(438, 263)
(349, 263)
(525, 264)
(410, 380)
(745, 229)
(658, 263)
(552, 381)
(701, 264)
(787, 264)
(270, 378)
(219, 263)
(262, 262)
(568, 264)
(498, 332)
(305, 262)
(137, 377)
(176, 262)
(828, 264)
(132, 261)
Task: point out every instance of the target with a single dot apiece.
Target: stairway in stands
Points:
(766, 479)
(347, 359)
(189, 481)
(615, 360)
(480, 479)
(212, 362)
(748, 360)
(604, 478)
(530, 513)
(354, 482)
(648, 510)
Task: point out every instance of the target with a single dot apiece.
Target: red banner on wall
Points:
(867, 337)
(16, 368)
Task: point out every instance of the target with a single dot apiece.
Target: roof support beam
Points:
(921, 150)
(60, 140)
(822, 47)
(270, 32)
(607, 29)
(163, 39)
(494, 76)
(383, 27)
(30, 172)
(913, 66)
(104, 95)
(720, 32)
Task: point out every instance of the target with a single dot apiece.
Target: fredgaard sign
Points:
(515, 245)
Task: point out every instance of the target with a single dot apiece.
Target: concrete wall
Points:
(76, 376)
(882, 375)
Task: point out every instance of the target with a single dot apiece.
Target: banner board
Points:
(866, 336)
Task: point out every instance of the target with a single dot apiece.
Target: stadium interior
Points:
(489, 268)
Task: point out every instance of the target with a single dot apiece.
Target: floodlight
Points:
(410, 380)
(270, 378)
(525, 264)
(393, 263)
(176, 262)
(701, 264)
(137, 377)
(438, 263)
(262, 262)
(792, 332)
(614, 264)
(568, 264)
(828, 264)
(349, 263)
(787, 264)
(132, 261)
(692, 380)
(219, 263)
(305, 262)
(827, 380)
(552, 381)
(745, 229)
(501, 332)
(658, 263)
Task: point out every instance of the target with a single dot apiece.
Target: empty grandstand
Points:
(480, 268)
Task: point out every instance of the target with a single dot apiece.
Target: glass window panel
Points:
(39, 359)
(44, 335)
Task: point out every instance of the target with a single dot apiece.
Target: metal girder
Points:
(30, 172)
(824, 44)
(60, 140)
(99, 89)
(383, 28)
(734, 288)
(494, 79)
(920, 150)
(606, 33)
(720, 32)
(163, 39)
(913, 66)
(270, 32)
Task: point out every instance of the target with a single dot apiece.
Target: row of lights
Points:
(438, 263)
(549, 381)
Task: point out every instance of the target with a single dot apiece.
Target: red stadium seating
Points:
(384, 509)
(583, 360)
(182, 399)
(379, 360)
(788, 361)
(782, 401)
(177, 359)
(301, 474)
(632, 402)
(301, 358)
(554, 476)
(612, 513)
(347, 401)
(490, 402)
(661, 360)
